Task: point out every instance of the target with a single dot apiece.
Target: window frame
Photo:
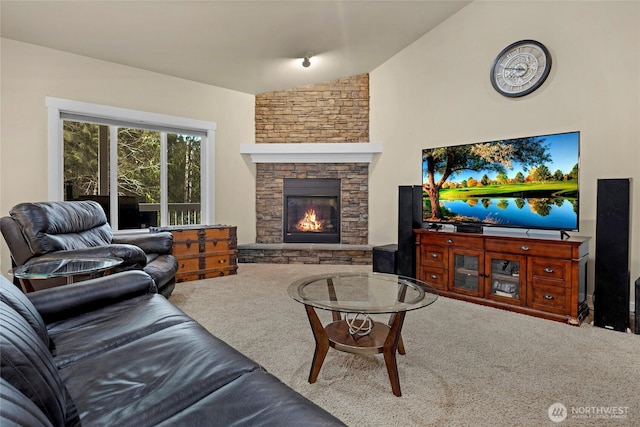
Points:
(57, 107)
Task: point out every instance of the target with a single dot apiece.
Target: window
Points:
(145, 169)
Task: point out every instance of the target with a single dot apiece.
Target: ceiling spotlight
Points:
(305, 61)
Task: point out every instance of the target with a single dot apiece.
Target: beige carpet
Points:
(466, 365)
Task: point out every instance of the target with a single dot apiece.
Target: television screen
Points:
(529, 183)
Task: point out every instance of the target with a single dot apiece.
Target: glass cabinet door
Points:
(506, 278)
(467, 272)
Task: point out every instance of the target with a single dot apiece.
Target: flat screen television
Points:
(528, 183)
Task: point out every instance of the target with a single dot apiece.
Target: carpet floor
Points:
(465, 364)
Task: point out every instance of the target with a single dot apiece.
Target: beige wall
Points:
(437, 92)
(30, 73)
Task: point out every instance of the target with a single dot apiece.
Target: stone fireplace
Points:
(278, 164)
(351, 199)
(314, 133)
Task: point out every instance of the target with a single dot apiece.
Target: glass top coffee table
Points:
(352, 298)
(69, 268)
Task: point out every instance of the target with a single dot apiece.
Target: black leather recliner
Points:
(79, 229)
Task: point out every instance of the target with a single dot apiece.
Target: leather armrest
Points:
(151, 243)
(71, 300)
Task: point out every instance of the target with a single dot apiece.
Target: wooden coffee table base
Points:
(385, 339)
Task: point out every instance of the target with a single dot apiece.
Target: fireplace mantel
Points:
(338, 152)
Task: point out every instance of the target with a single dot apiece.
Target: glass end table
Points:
(70, 268)
(352, 298)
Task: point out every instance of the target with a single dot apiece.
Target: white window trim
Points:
(56, 106)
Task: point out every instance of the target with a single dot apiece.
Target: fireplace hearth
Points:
(311, 210)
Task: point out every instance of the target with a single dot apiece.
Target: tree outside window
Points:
(87, 173)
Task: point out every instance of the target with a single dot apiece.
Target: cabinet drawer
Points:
(545, 268)
(436, 277)
(182, 249)
(526, 247)
(548, 298)
(433, 255)
(453, 239)
(188, 276)
(203, 262)
(202, 241)
(205, 231)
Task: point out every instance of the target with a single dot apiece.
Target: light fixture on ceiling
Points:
(305, 61)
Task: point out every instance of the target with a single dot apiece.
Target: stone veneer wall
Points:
(335, 111)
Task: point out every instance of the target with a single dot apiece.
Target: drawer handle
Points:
(222, 261)
(433, 276)
(548, 297)
(449, 240)
(548, 270)
(524, 248)
(434, 255)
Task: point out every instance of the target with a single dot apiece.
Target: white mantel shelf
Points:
(338, 152)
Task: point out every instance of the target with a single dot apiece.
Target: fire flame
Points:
(309, 222)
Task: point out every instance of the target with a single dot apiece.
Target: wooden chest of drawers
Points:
(204, 251)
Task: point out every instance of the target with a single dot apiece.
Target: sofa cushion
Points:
(26, 363)
(271, 403)
(17, 300)
(90, 334)
(173, 369)
(57, 226)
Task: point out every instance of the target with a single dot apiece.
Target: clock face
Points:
(520, 68)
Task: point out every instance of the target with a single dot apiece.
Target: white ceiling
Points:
(248, 46)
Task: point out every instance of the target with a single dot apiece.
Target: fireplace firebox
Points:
(311, 210)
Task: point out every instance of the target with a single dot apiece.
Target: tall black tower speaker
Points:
(409, 217)
(612, 275)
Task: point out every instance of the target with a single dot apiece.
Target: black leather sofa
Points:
(79, 229)
(112, 352)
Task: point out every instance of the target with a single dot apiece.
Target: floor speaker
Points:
(612, 274)
(409, 217)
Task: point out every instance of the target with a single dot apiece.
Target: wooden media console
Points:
(542, 277)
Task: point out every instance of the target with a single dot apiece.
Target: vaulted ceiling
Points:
(248, 46)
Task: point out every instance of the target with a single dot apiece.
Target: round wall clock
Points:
(520, 68)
